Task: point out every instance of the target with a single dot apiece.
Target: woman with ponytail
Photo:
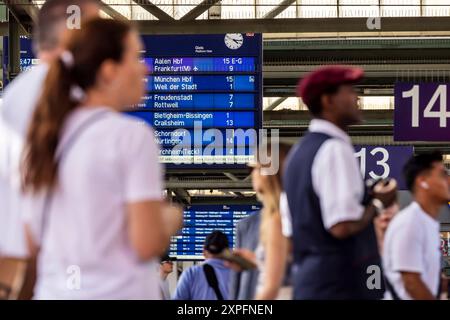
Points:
(95, 218)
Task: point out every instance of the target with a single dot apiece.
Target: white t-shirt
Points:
(164, 287)
(336, 179)
(18, 104)
(412, 244)
(114, 161)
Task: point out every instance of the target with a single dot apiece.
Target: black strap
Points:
(391, 289)
(395, 296)
(211, 277)
(438, 295)
(59, 157)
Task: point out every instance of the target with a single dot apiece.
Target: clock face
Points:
(234, 40)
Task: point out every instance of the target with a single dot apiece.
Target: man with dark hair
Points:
(165, 268)
(210, 280)
(411, 256)
(19, 100)
(331, 221)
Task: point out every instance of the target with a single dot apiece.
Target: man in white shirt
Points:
(329, 223)
(412, 256)
(19, 100)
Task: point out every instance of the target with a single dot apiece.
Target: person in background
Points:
(331, 221)
(272, 250)
(165, 268)
(210, 280)
(381, 223)
(48, 37)
(96, 217)
(243, 283)
(19, 101)
(412, 255)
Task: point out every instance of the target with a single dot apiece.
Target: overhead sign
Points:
(201, 220)
(204, 98)
(422, 112)
(384, 161)
(27, 59)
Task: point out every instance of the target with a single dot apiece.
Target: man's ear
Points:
(325, 101)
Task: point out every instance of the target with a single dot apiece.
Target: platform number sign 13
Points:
(422, 112)
(383, 161)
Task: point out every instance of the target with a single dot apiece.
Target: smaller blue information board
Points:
(201, 220)
(27, 58)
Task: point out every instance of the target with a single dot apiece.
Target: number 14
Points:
(442, 114)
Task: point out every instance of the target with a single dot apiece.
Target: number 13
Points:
(383, 162)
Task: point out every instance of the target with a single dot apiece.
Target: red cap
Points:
(314, 84)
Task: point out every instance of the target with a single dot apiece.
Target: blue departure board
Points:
(201, 220)
(204, 98)
(27, 58)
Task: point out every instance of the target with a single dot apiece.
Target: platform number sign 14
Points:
(421, 112)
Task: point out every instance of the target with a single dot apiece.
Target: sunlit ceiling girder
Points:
(154, 10)
(279, 9)
(205, 5)
(276, 103)
(106, 8)
(296, 25)
(25, 12)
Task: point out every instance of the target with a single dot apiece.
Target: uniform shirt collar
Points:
(324, 126)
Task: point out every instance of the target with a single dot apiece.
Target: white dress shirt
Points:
(336, 179)
(19, 101)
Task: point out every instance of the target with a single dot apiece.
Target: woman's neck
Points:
(95, 98)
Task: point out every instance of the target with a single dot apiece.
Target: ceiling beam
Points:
(209, 200)
(182, 195)
(205, 5)
(106, 8)
(154, 10)
(231, 176)
(32, 11)
(207, 184)
(279, 9)
(25, 12)
(276, 103)
(295, 25)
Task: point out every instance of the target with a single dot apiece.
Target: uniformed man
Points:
(330, 222)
